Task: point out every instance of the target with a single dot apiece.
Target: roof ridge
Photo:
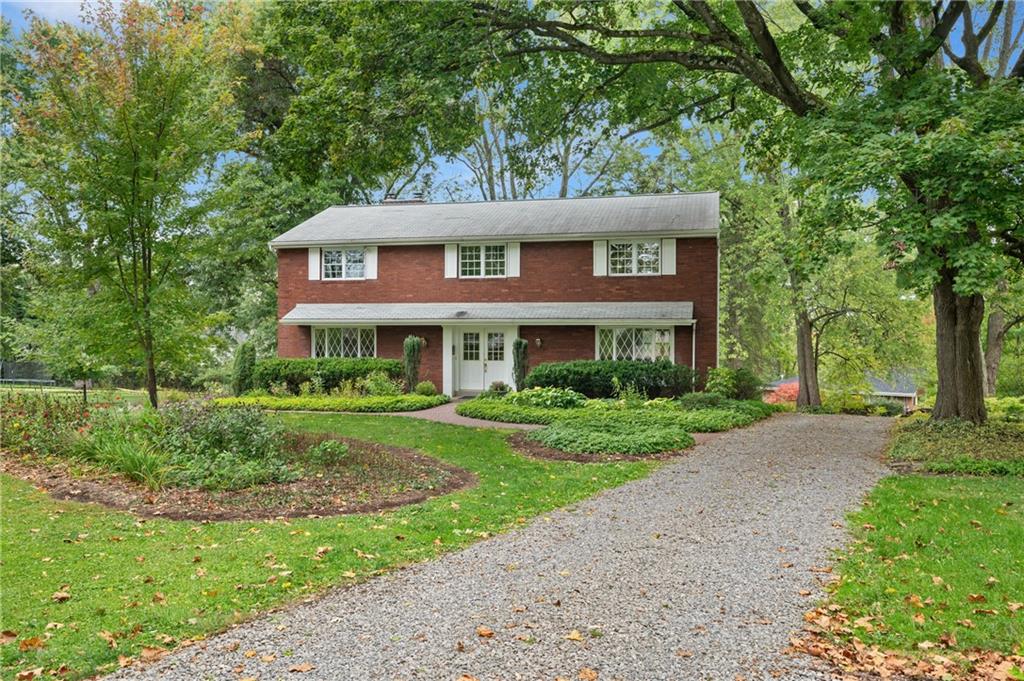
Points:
(538, 199)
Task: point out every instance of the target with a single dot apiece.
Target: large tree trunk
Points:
(958, 320)
(807, 367)
(994, 337)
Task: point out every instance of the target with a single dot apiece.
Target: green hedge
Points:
(323, 403)
(596, 378)
(333, 370)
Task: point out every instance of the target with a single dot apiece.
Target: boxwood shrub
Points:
(322, 403)
(332, 370)
(597, 378)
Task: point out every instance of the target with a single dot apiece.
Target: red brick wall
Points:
(550, 271)
(391, 338)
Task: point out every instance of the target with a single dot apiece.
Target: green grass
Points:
(144, 581)
(994, 448)
(922, 547)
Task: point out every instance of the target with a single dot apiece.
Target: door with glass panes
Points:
(483, 357)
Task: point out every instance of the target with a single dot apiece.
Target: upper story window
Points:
(634, 343)
(344, 263)
(482, 260)
(634, 257)
(344, 341)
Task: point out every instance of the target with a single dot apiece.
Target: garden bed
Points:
(522, 443)
(371, 477)
(362, 404)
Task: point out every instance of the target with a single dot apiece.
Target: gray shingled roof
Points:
(407, 313)
(539, 218)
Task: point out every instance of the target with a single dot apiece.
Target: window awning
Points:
(587, 313)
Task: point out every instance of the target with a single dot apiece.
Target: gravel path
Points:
(692, 573)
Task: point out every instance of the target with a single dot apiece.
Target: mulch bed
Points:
(371, 478)
(523, 444)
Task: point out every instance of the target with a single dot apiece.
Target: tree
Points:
(1006, 312)
(125, 120)
(890, 98)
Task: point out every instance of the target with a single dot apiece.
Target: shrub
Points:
(596, 378)
(736, 384)
(331, 403)
(549, 398)
(885, 407)
(499, 388)
(412, 351)
(379, 384)
(333, 370)
(614, 432)
(327, 453)
(520, 360)
(245, 365)
(748, 385)
(787, 392)
(425, 388)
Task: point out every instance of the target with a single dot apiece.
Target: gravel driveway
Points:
(692, 573)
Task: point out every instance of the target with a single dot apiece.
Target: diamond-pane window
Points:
(339, 341)
(470, 346)
(495, 347)
(634, 343)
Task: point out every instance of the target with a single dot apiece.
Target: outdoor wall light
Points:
(539, 342)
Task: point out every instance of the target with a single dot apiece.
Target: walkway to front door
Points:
(699, 571)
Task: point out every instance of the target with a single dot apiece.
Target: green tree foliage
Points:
(125, 119)
(520, 361)
(412, 353)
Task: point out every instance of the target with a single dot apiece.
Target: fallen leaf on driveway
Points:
(588, 674)
(684, 653)
(484, 632)
(152, 653)
(467, 677)
(301, 667)
(574, 635)
(268, 658)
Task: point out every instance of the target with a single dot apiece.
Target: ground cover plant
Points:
(366, 404)
(992, 448)
(155, 583)
(614, 432)
(934, 572)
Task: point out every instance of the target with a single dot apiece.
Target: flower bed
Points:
(364, 404)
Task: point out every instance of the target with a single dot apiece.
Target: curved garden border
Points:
(521, 443)
(194, 504)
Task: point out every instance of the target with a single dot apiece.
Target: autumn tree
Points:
(123, 122)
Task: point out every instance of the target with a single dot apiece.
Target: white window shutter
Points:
(451, 261)
(600, 258)
(668, 256)
(314, 264)
(512, 253)
(370, 262)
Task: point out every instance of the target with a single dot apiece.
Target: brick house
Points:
(626, 277)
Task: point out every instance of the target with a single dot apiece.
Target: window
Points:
(349, 263)
(486, 260)
(634, 343)
(471, 346)
(634, 257)
(496, 347)
(344, 341)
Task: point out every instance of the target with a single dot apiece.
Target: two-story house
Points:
(625, 277)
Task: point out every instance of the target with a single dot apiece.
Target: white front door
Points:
(483, 355)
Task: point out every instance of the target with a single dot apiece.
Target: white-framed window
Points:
(343, 263)
(635, 343)
(626, 258)
(482, 260)
(344, 341)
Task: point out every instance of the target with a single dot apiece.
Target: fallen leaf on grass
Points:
(976, 598)
(152, 653)
(33, 643)
(61, 596)
(966, 623)
(109, 638)
(484, 632)
(925, 645)
(29, 674)
(7, 636)
(948, 640)
(302, 667)
(125, 661)
(1014, 607)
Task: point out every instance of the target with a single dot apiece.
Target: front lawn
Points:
(83, 585)
(937, 564)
